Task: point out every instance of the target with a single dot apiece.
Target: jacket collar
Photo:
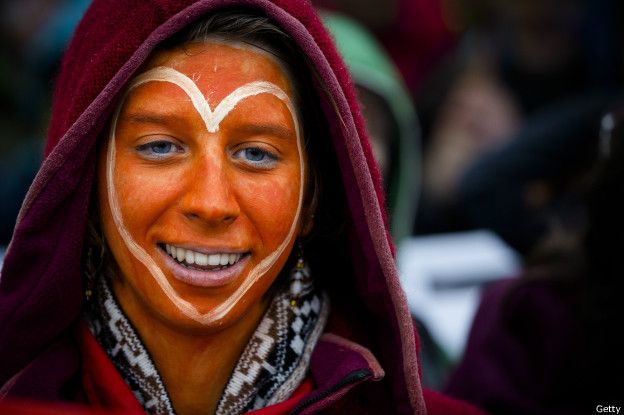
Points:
(337, 365)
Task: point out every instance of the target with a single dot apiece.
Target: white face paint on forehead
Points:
(212, 119)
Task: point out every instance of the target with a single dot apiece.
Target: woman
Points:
(566, 304)
(208, 194)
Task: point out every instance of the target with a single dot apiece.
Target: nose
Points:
(208, 196)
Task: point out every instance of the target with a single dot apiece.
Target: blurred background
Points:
(33, 35)
(494, 122)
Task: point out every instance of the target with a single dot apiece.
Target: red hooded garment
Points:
(366, 364)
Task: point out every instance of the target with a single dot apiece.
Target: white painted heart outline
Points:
(212, 119)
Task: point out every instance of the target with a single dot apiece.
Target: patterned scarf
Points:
(268, 371)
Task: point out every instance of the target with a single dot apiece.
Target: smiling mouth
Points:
(200, 261)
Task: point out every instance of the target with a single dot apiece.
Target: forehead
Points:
(219, 67)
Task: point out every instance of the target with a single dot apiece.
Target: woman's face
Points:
(200, 186)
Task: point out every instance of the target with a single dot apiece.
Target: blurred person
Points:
(207, 231)
(34, 34)
(394, 133)
(416, 34)
(517, 60)
(545, 342)
(478, 115)
(529, 190)
(389, 114)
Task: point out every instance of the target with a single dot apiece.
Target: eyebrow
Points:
(271, 129)
(268, 128)
(151, 118)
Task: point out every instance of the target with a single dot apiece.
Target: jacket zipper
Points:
(351, 378)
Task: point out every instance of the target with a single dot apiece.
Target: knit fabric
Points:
(119, 339)
(277, 357)
(272, 366)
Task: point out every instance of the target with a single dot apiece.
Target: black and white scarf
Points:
(271, 367)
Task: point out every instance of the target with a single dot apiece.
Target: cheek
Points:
(137, 186)
(115, 242)
(142, 194)
(272, 204)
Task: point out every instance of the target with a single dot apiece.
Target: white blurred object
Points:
(1, 256)
(442, 276)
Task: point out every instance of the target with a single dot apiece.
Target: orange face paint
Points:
(201, 184)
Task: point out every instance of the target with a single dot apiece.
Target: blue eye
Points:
(158, 149)
(254, 154)
(256, 157)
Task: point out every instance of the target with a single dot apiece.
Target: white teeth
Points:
(214, 259)
(180, 254)
(201, 259)
(192, 257)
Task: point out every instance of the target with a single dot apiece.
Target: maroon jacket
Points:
(367, 360)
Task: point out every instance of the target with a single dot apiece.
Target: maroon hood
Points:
(40, 287)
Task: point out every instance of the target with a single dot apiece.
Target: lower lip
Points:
(199, 278)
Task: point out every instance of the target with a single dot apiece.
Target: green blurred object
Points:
(372, 70)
